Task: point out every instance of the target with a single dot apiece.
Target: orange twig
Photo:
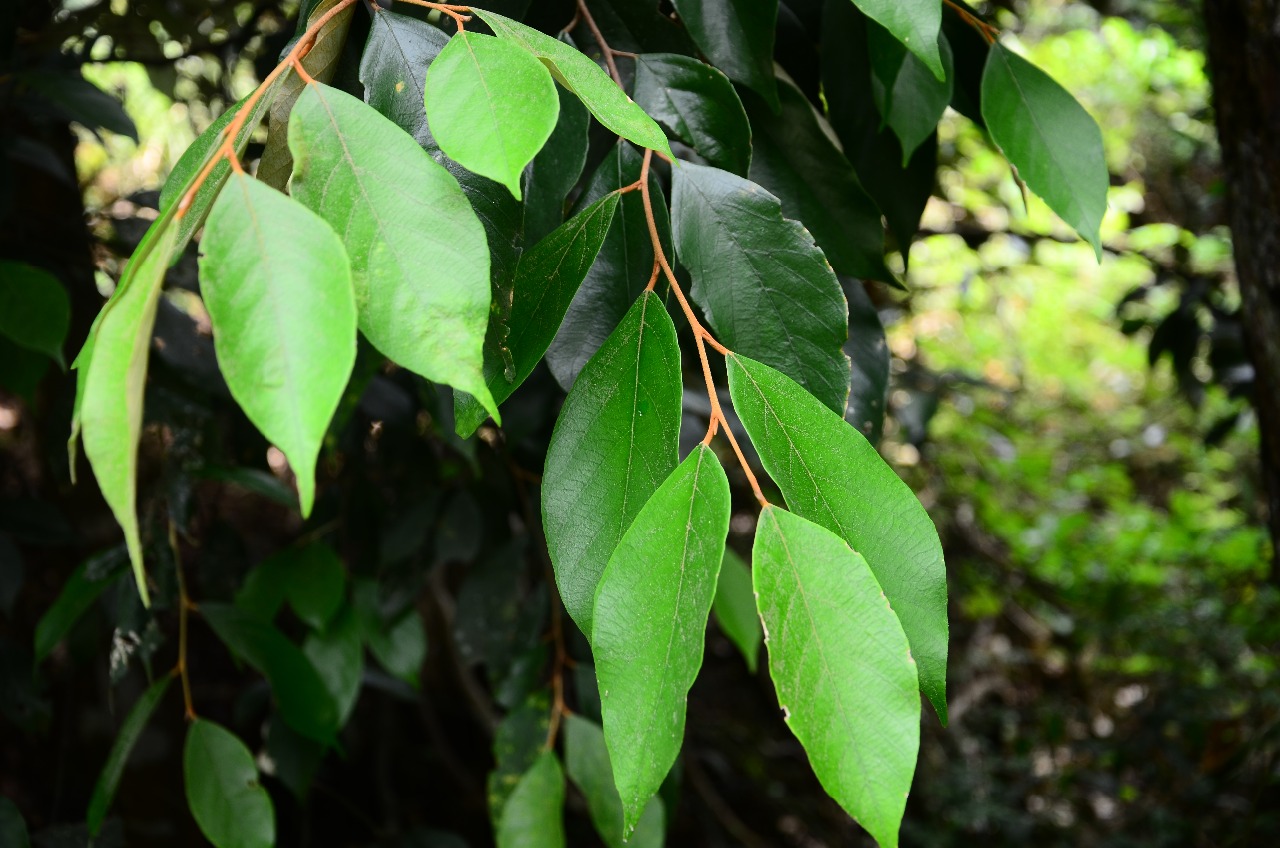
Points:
(584, 14)
(986, 30)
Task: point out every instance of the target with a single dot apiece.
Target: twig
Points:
(184, 607)
(986, 30)
(585, 14)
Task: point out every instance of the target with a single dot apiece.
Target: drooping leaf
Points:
(226, 799)
(1049, 137)
(104, 791)
(735, 608)
(839, 660)
(613, 445)
(277, 283)
(650, 622)
(34, 309)
(533, 816)
(831, 475)
(337, 653)
(766, 288)
(419, 258)
(869, 354)
(909, 97)
(547, 278)
(586, 760)
(737, 35)
(913, 22)
(82, 588)
(969, 56)
(555, 170)
(697, 104)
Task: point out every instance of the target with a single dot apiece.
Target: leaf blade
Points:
(913, 22)
(231, 807)
(737, 35)
(104, 790)
(735, 608)
(696, 103)
(586, 760)
(533, 815)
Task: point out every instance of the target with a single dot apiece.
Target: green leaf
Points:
(1053, 142)
(737, 35)
(766, 288)
(277, 283)
(13, 829)
(401, 647)
(79, 100)
(735, 608)
(621, 270)
(547, 278)
(419, 258)
(555, 170)
(473, 89)
(869, 352)
(576, 72)
(518, 741)
(697, 104)
(104, 791)
(794, 159)
(613, 444)
(839, 660)
(910, 98)
(650, 622)
(116, 379)
(533, 816)
(831, 475)
(302, 696)
(34, 309)
(230, 805)
(586, 759)
(337, 653)
(311, 578)
(82, 588)
(913, 22)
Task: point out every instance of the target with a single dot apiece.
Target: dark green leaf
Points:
(337, 652)
(13, 829)
(401, 647)
(34, 309)
(555, 170)
(969, 56)
(104, 791)
(21, 372)
(82, 588)
(518, 741)
(228, 802)
(735, 608)
(869, 353)
(640, 27)
(913, 22)
(737, 35)
(311, 578)
(81, 101)
(533, 816)
(909, 97)
(586, 759)
(697, 104)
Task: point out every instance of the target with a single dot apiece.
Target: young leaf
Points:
(766, 288)
(586, 759)
(277, 283)
(473, 89)
(697, 104)
(737, 35)
(650, 621)
(555, 170)
(533, 816)
(576, 72)
(337, 653)
(419, 258)
(34, 309)
(735, 608)
(104, 791)
(546, 280)
(613, 445)
(831, 475)
(226, 799)
(1049, 137)
(841, 666)
(910, 98)
(913, 22)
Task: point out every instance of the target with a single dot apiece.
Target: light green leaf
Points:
(766, 288)
(735, 608)
(1049, 137)
(337, 653)
(831, 475)
(419, 258)
(650, 623)
(555, 170)
(82, 588)
(613, 444)
(697, 104)
(34, 309)
(576, 72)
(277, 283)
(534, 814)
(474, 89)
(910, 98)
(586, 759)
(226, 799)
(913, 22)
(841, 666)
(737, 35)
(104, 791)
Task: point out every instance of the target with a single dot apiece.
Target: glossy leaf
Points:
(839, 660)
(910, 98)
(533, 816)
(82, 588)
(650, 623)
(104, 791)
(337, 653)
(913, 22)
(1053, 142)
(766, 288)
(737, 35)
(34, 309)
(226, 799)
(697, 104)
(586, 759)
(419, 257)
(613, 446)
(554, 172)
(735, 608)
(831, 475)
(277, 284)
(868, 351)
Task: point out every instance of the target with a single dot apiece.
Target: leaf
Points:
(311, 578)
(104, 791)
(869, 353)
(277, 284)
(230, 805)
(969, 55)
(34, 309)
(79, 100)
(840, 663)
(82, 588)
(419, 258)
(913, 22)
(13, 829)
(793, 159)
(650, 622)
(831, 475)
(401, 647)
(735, 608)
(910, 98)
(116, 379)
(613, 444)
(621, 270)
(586, 759)
(697, 104)
(576, 72)
(533, 816)
(337, 653)
(473, 88)
(766, 288)
(303, 698)
(517, 743)
(555, 170)
(1049, 137)
(737, 35)
(547, 278)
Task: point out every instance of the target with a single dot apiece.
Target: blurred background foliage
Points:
(1079, 431)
